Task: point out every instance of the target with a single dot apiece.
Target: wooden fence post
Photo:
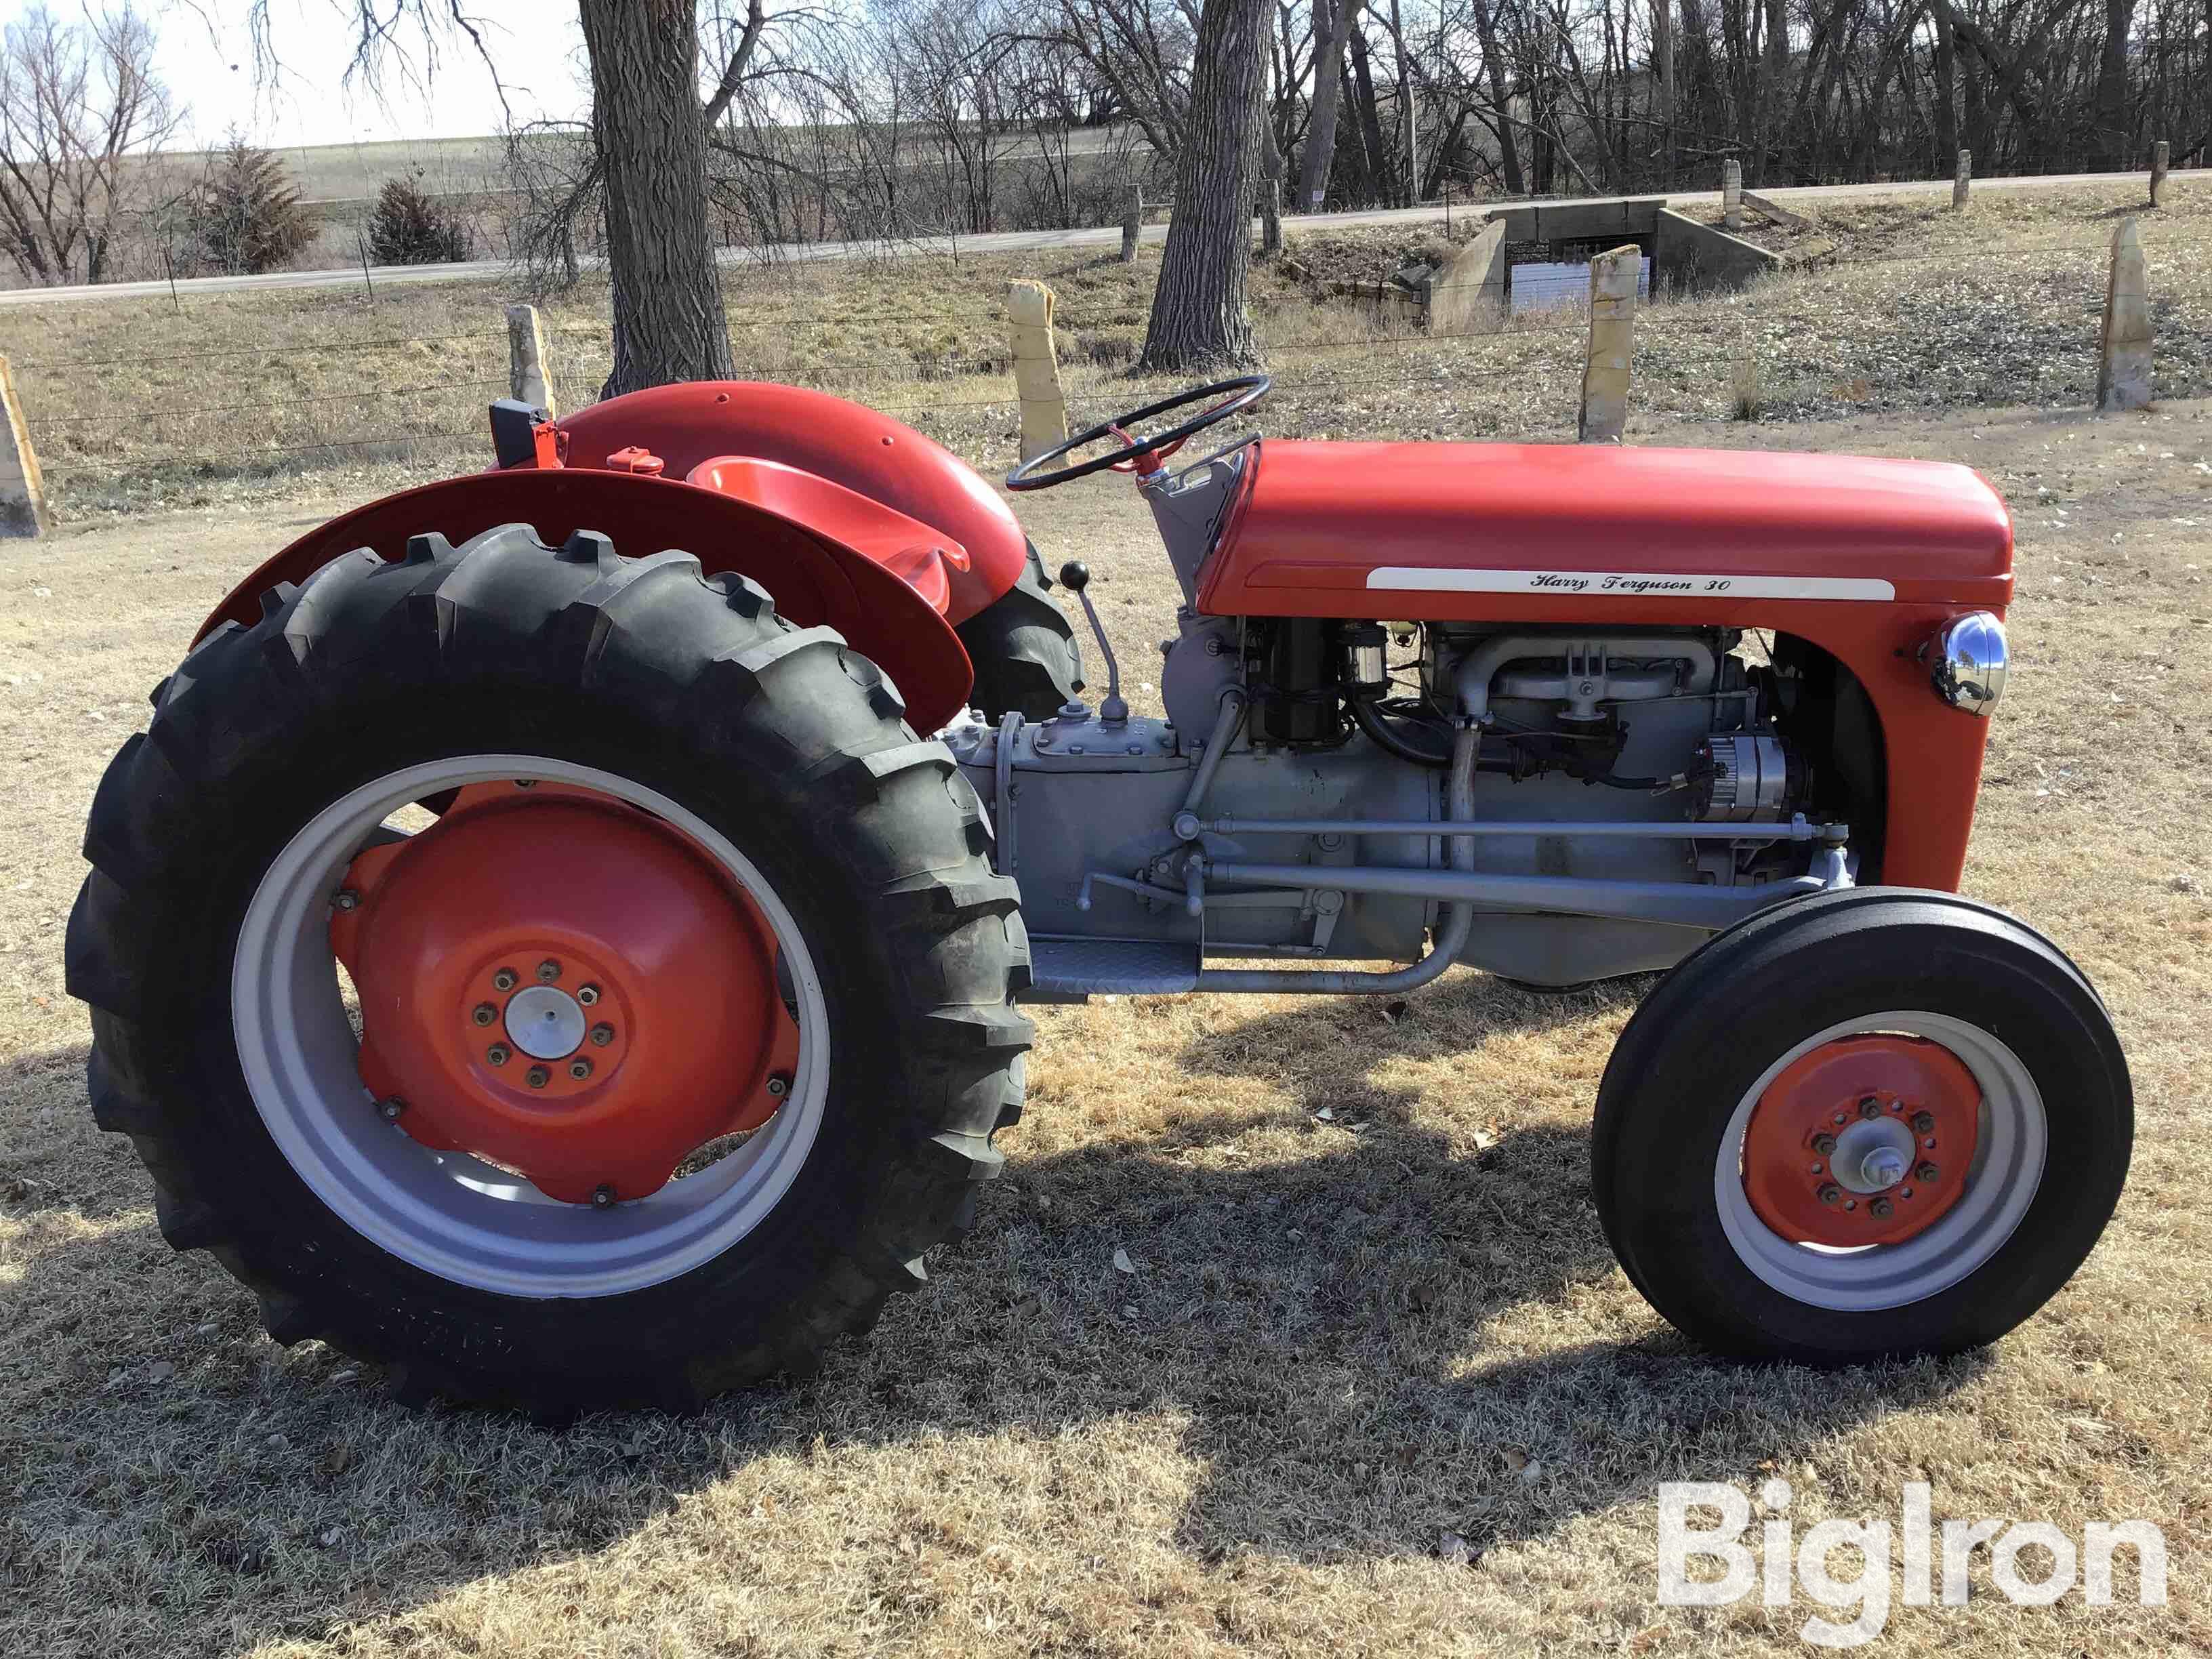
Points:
(2159, 153)
(1962, 178)
(1270, 217)
(526, 378)
(2124, 372)
(22, 491)
(1612, 343)
(1132, 223)
(1036, 368)
(1732, 194)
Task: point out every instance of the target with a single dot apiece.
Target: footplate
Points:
(1068, 969)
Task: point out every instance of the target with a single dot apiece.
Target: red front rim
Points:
(1864, 1140)
(565, 986)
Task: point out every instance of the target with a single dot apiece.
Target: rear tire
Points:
(1675, 1137)
(783, 741)
(1024, 652)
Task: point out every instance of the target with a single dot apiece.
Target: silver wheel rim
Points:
(2008, 1168)
(446, 1213)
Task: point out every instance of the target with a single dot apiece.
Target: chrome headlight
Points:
(1967, 662)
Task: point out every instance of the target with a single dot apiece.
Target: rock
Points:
(1451, 1547)
(1122, 1263)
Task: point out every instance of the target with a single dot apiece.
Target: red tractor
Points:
(561, 933)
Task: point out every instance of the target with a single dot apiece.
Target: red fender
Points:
(817, 580)
(847, 443)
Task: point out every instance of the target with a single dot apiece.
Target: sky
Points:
(211, 71)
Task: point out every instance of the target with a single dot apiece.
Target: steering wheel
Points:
(1234, 395)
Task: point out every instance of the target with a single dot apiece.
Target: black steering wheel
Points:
(1234, 395)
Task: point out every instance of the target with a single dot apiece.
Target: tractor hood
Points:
(1390, 530)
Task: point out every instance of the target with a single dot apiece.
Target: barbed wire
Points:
(268, 405)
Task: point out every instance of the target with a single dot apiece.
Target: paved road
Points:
(1010, 241)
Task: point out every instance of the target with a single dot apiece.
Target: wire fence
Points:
(1354, 359)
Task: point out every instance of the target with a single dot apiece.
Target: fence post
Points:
(526, 378)
(1612, 343)
(1036, 368)
(1270, 217)
(1732, 194)
(2159, 152)
(1962, 178)
(22, 491)
(1132, 222)
(2124, 373)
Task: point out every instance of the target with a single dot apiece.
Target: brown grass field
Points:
(1344, 1339)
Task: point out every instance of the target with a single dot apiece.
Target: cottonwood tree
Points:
(79, 104)
(1198, 318)
(647, 165)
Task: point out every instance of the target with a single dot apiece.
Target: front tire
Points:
(1023, 650)
(770, 760)
(1875, 1123)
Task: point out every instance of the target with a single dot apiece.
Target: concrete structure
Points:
(1604, 412)
(1468, 294)
(1036, 368)
(1579, 221)
(22, 491)
(1732, 195)
(1963, 179)
(1132, 224)
(2159, 153)
(1776, 212)
(526, 378)
(1687, 256)
(2123, 368)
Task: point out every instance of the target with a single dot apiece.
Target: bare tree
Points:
(1199, 316)
(78, 102)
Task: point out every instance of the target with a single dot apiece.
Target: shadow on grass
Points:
(1358, 1350)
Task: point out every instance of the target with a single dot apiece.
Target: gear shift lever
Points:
(1075, 577)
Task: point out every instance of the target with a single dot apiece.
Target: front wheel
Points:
(549, 973)
(1875, 1123)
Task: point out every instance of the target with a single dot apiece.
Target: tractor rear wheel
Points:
(1024, 650)
(1872, 1122)
(680, 1019)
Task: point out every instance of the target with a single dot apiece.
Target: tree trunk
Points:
(2114, 127)
(1946, 92)
(1773, 76)
(1198, 308)
(1662, 58)
(651, 141)
(1493, 68)
(1332, 23)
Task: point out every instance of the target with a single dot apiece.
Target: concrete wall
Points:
(1688, 256)
(1468, 296)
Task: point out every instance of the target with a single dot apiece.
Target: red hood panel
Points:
(1392, 520)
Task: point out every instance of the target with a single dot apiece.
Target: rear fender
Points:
(816, 579)
(847, 443)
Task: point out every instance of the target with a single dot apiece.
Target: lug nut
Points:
(588, 995)
(1869, 1107)
(603, 1197)
(579, 1069)
(1880, 1208)
(779, 1085)
(496, 1053)
(1831, 1194)
(602, 1035)
(1923, 1123)
(538, 1077)
(1824, 1144)
(549, 971)
(484, 1014)
(1926, 1172)
(503, 979)
(390, 1108)
(348, 899)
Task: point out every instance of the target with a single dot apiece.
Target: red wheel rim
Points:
(1864, 1140)
(565, 986)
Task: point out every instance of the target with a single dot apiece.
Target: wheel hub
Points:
(564, 986)
(1864, 1140)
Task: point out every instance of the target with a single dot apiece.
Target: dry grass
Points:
(1344, 1337)
(132, 408)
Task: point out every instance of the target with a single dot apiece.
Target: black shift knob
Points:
(1075, 575)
